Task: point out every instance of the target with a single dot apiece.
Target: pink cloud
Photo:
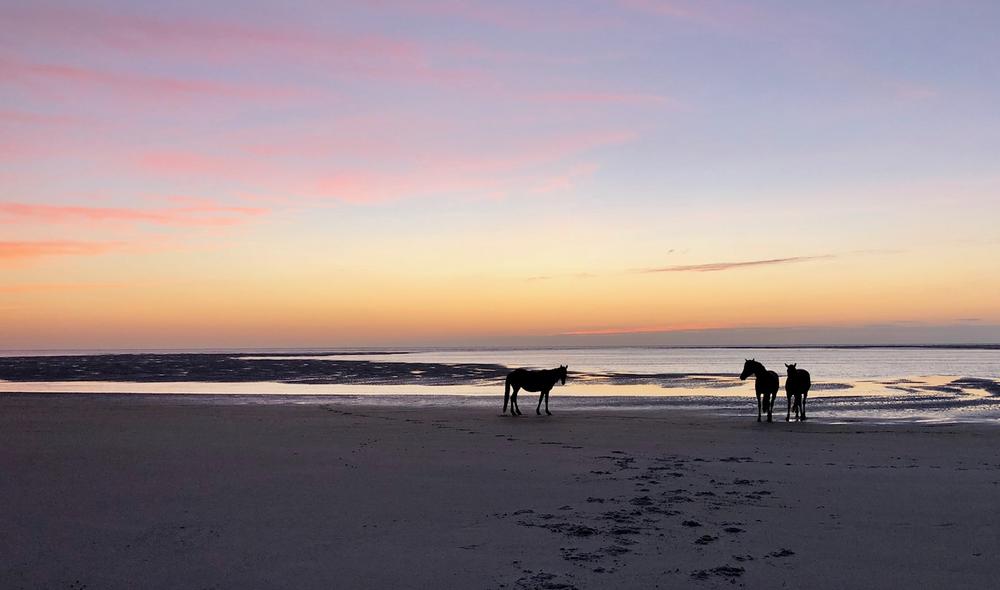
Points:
(36, 287)
(516, 165)
(567, 180)
(183, 164)
(9, 117)
(192, 214)
(202, 39)
(369, 187)
(15, 251)
(400, 170)
(338, 52)
(39, 76)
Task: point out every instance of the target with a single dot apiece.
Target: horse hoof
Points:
(548, 413)
(537, 413)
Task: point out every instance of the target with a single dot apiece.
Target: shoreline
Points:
(922, 407)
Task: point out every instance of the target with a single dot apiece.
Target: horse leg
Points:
(758, 407)
(547, 412)
(538, 408)
(802, 416)
(788, 413)
(515, 410)
(770, 405)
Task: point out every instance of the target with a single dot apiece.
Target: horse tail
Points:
(506, 393)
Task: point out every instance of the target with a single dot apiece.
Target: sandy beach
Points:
(157, 492)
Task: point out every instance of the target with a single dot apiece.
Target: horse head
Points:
(791, 368)
(562, 373)
(749, 367)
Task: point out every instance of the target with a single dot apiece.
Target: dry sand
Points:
(142, 492)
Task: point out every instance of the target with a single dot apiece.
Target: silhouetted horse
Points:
(540, 381)
(797, 386)
(766, 385)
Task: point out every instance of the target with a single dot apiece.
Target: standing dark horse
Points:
(797, 386)
(766, 385)
(540, 381)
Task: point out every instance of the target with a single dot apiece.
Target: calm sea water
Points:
(936, 384)
(825, 364)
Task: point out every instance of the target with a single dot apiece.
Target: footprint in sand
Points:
(725, 571)
(542, 580)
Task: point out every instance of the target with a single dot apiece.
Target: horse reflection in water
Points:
(540, 381)
(766, 385)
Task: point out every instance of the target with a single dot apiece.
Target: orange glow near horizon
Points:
(174, 177)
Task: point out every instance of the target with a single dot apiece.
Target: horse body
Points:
(797, 386)
(528, 380)
(766, 385)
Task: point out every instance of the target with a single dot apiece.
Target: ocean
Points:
(935, 384)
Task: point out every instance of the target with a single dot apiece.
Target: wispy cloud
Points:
(38, 76)
(566, 180)
(35, 120)
(205, 39)
(721, 266)
(18, 250)
(42, 287)
(337, 50)
(534, 164)
(191, 214)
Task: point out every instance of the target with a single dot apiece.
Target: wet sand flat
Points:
(127, 492)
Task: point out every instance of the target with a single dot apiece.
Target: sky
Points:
(398, 173)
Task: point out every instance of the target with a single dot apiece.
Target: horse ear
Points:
(787, 366)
